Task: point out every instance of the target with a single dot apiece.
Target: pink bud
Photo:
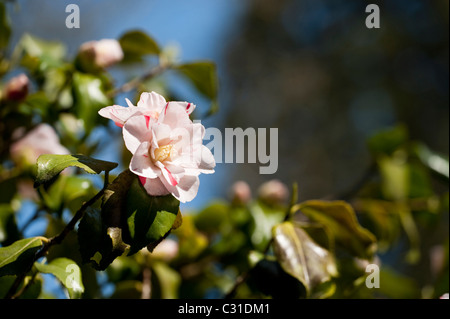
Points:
(444, 296)
(17, 88)
(240, 193)
(41, 140)
(273, 192)
(102, 54)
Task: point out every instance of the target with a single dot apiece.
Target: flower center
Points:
(164, 152)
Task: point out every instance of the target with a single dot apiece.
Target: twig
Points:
(128, 86)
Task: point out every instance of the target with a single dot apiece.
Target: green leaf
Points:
(67, 272)
(213, 217)
(17, 257)
(264, 218)
(41, 55)
(301, 257)
(436, 162)
(136, 43)
(203, 76)
(168, 281)
(340, 219)
(149, 218)
(89, 98)
(387, 141)
(50, 165)
(5, 28)
(96, 245)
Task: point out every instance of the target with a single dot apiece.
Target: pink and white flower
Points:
(150, 104)
(168, 154)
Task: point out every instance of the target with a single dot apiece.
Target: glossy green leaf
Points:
(5, 28)
(149, 218)
(50, 165)
(89, 98)
(17, 257)
(301, 257)
(67, 272)
(136, 43)
(340, 219)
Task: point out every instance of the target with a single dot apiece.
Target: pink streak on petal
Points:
(188, 107)
(165, 109)
(142, 180)
(147, 120)
(172, 180)
(119, 124)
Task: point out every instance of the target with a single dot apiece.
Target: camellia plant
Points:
(119, 230)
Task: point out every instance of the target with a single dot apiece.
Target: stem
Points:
(130, 85)
(146, 283)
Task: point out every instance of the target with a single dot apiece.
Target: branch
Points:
(56, 240)
(128, 86)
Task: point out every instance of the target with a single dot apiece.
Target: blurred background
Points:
(310, 68)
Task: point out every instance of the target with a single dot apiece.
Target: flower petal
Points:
(185, 190)
(142, 165)
(135, 132)
(152, 101)
(155, 187)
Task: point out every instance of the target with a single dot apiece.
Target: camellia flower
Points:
(41, 140)
(150, 104)
(168, 154)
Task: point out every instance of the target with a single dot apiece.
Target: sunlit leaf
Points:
(17, 257)
(50, 165)
(301, 257)
(436, 162)
(67, 272)
(89, 98)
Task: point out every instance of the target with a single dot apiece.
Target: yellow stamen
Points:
(164, 152)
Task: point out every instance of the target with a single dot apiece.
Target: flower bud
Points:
(166, 250)
(41, 140)
(273, 192)
(100, 54)
(240, 193)
(17, 88)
